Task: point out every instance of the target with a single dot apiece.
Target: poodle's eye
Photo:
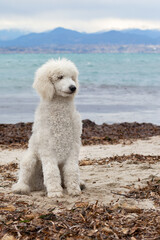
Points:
(60, 77)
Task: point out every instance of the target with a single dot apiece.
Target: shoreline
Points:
(17, 135)
(85, 49)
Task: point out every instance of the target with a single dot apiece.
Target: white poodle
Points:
(52, 157)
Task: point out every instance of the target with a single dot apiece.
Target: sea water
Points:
(114, 88)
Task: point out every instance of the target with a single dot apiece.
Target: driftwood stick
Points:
(122, 194)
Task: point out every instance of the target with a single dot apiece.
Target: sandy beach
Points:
(115, 175)
(101, 180)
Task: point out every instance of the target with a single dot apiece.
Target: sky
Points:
(81, 15)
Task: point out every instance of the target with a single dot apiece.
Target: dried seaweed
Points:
(8, 167)
(134, 158)
(150, 191)
(17, 135)
(83, 221)
(6, 174)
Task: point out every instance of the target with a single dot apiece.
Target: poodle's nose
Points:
(72, 88)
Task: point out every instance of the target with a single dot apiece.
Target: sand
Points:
(103, 182)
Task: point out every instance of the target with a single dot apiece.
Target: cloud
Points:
(79, 25)
(89, 16)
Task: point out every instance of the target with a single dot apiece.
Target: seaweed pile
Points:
(17, 135)
(84, 221)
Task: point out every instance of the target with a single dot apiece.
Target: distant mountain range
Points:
(63, 37)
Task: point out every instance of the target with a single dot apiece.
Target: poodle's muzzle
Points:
(65, 87)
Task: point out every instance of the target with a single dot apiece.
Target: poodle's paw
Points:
(74, 191)
(55, 194)
(21, 188)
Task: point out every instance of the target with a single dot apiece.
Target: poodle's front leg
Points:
(71, 172)
(52, 178)
(27, 166)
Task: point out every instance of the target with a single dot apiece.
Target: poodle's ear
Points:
(43, 85)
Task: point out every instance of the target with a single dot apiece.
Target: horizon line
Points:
(72, 29)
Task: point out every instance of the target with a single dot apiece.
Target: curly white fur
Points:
(52, 157)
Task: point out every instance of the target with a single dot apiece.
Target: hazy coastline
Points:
(80, 48)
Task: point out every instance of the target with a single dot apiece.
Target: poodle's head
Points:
(56, 78)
